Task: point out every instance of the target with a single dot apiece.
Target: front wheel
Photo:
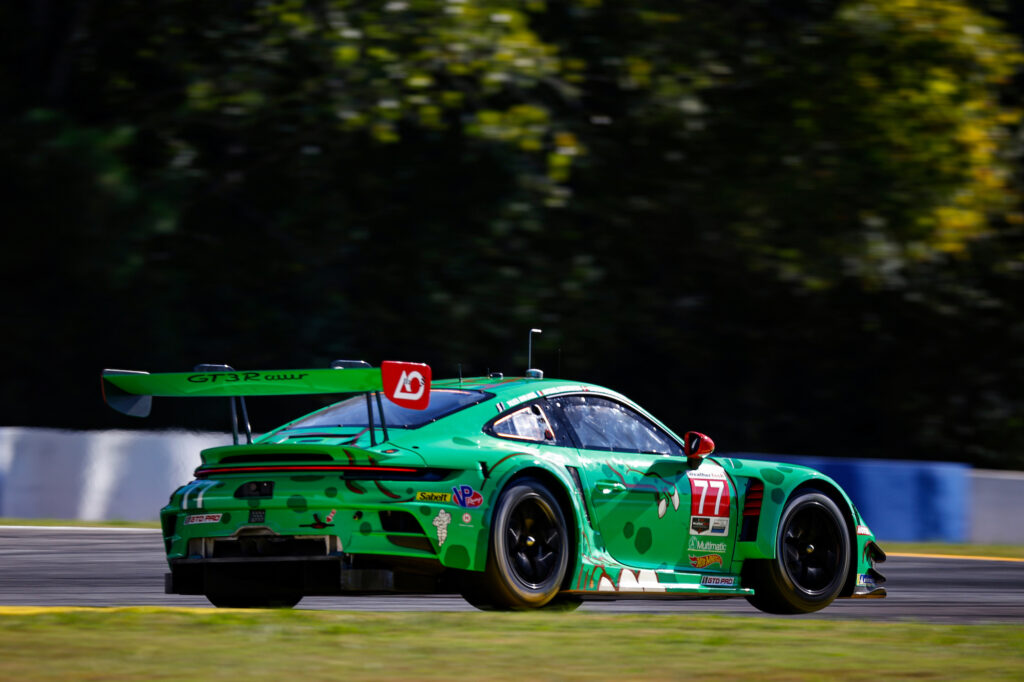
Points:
(528, 554)
(812, 558)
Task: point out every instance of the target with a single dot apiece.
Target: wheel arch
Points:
(832, 490)
(560, 488)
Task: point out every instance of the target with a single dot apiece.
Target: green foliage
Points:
(807, 211)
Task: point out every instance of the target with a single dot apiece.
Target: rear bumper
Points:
(307, 576)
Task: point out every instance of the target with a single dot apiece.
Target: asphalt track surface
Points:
(46, 566)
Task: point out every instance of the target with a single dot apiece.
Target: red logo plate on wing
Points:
(406, 384)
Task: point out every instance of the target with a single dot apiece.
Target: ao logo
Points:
(404, 390)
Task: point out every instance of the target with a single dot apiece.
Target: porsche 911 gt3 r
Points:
(517, 493)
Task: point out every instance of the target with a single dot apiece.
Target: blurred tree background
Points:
(796, 225)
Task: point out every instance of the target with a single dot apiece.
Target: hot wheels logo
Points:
(706, 560)
(465, 496)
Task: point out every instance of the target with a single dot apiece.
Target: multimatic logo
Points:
(698, 545)
(232, 377)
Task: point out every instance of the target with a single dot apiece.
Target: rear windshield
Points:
(352, 412)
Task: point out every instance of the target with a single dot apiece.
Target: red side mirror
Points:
(697, 444)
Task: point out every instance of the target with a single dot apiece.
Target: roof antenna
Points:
(460, 375)
(530, 372)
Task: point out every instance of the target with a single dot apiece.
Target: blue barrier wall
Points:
(899, 500)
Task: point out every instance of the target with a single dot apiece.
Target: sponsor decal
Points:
(709, 525)
(257, 515)
(424, 496)
(193, 519)
(231, 377)
(863, 530)
(406, 384)
(865, 580)
(318, 524)
(718, 581)
(467, 517)
(709, 493)
(705, 560)
(696, 544)
(465, 496)
(441, 522)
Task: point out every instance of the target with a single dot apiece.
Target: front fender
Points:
(780, 481)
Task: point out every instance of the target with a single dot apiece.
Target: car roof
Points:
(512, 387)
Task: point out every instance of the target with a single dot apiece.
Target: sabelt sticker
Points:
(863, 530)
(424, 496)
(706, 560)
(718, 581)
(193, 519)
(406, 384)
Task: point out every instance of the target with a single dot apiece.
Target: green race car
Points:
(516, 493)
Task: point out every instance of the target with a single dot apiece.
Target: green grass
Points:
(148, 643)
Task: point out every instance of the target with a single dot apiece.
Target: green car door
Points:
(652, 510)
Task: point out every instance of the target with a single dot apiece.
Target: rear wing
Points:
(406, 384)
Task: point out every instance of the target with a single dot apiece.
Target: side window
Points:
(528, 423)
(603, 424)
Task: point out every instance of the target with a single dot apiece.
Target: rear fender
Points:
(557, 477)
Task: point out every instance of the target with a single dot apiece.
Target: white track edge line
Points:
(115, 529)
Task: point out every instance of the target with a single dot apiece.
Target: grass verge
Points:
(148, 643)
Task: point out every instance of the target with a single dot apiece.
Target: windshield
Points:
(352, 412)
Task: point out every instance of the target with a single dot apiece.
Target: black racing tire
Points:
(528, 552)
(254, 600)
(812, 558)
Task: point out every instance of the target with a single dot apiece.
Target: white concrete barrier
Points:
(128, 475)
(997, 507)
(95, 475)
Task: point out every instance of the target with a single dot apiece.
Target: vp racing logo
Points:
(406, 384)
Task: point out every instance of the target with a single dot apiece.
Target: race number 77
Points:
(719, 490)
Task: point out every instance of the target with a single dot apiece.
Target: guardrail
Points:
(105, 475)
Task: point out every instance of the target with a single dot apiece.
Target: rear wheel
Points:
(254, 600)
(811, 561)
(528, 554)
